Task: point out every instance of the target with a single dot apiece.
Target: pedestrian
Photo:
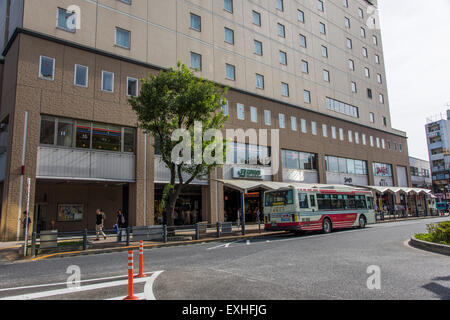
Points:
(100, 220)
(120, 219)
(238, 220)
(24, 223)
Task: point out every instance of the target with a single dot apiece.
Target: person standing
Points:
(121, 223)
(24, 223)
(100, 219)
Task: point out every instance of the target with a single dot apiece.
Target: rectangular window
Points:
(281, 30)
(123, 38)
(256, 18)
(324, 130)
(225, 107)
(364, 139)
(347, 22)
(66, 20)
(284, 89)
(132, 87)
(240, 111)
(281, 121)
(314, 128)
(294, 123)
(64, 136)
(283, 58)
(303, 41)
(326, 75)
(301, 15)
(320, 5)
(324, 52)
(230, 72)
(83, 135)
(129, 140)
(258, 47)
(305, 68)
(349, 43)
(196, 22)
(378, 142)
(228, 5)
(280, 5)
(381, 97)
(196, 61)
(260, 81)
(375, 40)
(306, 96)
(303, 126)
(367, 72)
(106, 137)
(372, 117)
(364, 50)
(363, 32)
(322, 28)
(47, 68)
(351, 64)
(253, 114)
(371, 141)
(341, 134)
(229, 36)
(267, 117)
(333, 132)
(47, 135)
(107, 81)
(81, 76)
(379, 78)
(377, 59)
(356, 137)
(350, 136)
(353, 84)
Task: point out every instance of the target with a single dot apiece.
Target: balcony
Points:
(78, 164)
(435, 145)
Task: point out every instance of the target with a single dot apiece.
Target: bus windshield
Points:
(279, 198)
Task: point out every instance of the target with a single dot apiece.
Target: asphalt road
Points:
(311, 266)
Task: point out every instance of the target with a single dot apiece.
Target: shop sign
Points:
(348, 180)
(247, 173)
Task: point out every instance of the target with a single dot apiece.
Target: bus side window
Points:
(303, 200)
(312, 200)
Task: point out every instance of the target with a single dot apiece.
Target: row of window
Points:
(343, 202)
(344, 165)
(352, 136)
(416, 172)
(81, 76)
(71, 133)
(298, 160)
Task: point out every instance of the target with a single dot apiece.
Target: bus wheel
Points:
(327, 228)
(362, 222)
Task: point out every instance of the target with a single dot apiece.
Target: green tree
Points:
(176, 99)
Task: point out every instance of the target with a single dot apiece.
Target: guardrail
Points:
(402, 214)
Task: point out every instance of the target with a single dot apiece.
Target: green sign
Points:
(244, 173)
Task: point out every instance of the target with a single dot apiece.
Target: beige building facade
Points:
(67, 126)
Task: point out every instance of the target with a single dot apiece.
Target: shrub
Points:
(437, 233)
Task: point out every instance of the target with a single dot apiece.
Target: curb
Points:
(410, 219)
(152, 246)
(429, 246)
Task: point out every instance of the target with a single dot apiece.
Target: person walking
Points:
(100, 219)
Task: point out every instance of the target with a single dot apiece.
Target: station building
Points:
(312, 69)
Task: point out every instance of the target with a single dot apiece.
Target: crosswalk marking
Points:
(50, 293)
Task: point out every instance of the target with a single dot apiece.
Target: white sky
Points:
(416, 43)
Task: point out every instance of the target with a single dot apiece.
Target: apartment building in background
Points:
(312, 69)
(420, 173)
(438, 140)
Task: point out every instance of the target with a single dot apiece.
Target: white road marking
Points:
(44, 294)
(225, 245)
(148, 290)
(248, 242)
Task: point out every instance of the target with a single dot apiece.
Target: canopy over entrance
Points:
(400, 190)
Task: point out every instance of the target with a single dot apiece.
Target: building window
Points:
(283, 57)
(132, 87)
(65, 20)
(267, 118)
(349, 43)
(346, 3)
(326, 75)
(253, 114)
(225, 109)
(281, 120)
(280, 5)
(364, 50)
(320, 5)
(364, 139)
(196, 61)
(306, 96)
(302, 41)
(64, 137)
(354, 89)
(324, 52)
(344, 165)
(81, 76)
(379, 78)
(341, 107)
(228, 5)
(107, 81)
(305, 68)
(281, 30)
(377, 59)
(258, 49)
(381, 97)
(260, 81)
(83, 134)
(350, 136)
(369, 93)
(106, 137)
(47, 68)
(314, 128)
(351, 64)
(322, 28)
(363, 32)
(298, 160)
(385, 121)
(196, 22)
(256, 18)
(333, 132)
(123, 38)
(47, 135)
(372, 117)
(356, 137)
(229, 36)
(324, 130)
(371, 141)
(293, 123)
(375, 40)
(240, 111)
(230, 72)
(303, 126)
(341, 134)
(284, 89)
(347, 22)
(301, 15)
(378, 142)
(367, 72)
(360, 13)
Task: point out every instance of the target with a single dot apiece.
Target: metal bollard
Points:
(128, 236)
(165, 233)
(243, 228)
(218, 229)
(197, 232)
(85, 239)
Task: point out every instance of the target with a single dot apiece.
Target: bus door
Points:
(313, 203)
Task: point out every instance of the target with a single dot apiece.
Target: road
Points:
(311, 266)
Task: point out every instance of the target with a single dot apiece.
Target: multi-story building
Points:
(438, 140)
(312, 69)
(420, 173)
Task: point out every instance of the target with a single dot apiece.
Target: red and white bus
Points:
(315, 209)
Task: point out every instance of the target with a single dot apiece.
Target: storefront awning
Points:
(400, 190)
